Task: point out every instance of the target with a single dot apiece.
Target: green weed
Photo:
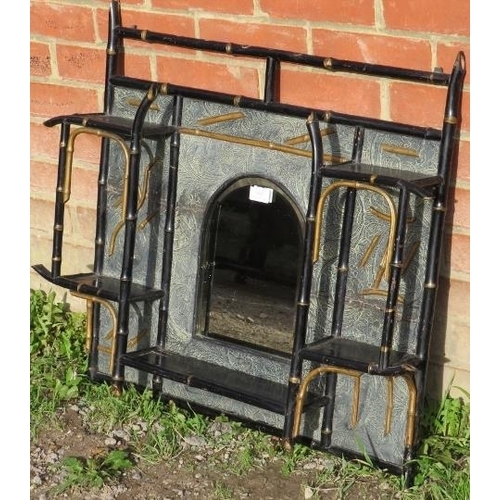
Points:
(58, 361)
(93, 472)
(443, 463)
(222, 491)
(291, 460)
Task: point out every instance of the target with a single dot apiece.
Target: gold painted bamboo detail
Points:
(112, 333)
(369, 250)
(387, 217)
(135, 102)
(412, 400)
(399, 150)
(412, 405)
(258, 143)
(386, 260)
(382, 293)
(305, 137)
(142, 198)
(237, 115)
(135, 341)
(320, 370)
(409, 257)
(143, 188)
(148, 219)
(390, 405)
(70, 151)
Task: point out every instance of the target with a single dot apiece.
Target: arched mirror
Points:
(249, 266)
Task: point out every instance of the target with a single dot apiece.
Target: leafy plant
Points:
(58, 361)
(93, 472)
(291, 460)
(443, 463)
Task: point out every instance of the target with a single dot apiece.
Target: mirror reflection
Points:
(252, 251)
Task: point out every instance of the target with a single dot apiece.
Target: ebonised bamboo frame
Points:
(333, 355)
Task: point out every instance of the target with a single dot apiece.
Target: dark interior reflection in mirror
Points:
(249, 267)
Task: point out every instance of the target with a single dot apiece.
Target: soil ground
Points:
(200, 471)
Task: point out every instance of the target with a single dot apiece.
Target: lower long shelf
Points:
(221, 380)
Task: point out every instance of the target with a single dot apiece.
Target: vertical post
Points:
(302, 308)
(168, 242)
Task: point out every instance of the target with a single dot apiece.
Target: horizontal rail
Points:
(327, 116)
(327, 63)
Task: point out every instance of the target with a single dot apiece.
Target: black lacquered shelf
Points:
(104, 287)
(416, 182)
(356, 355)
(228, 382)
(114, 124)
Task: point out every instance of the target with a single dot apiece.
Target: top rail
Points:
(327, 63)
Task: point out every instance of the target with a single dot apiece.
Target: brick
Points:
(465, 112)
(84, 186)
(48, 100)
(222, 6)
(463, 168)
(132, 2)
(40, 253)
(453, 299)
(67, 22)
(417, 104)
(40, 59)
(137, 66)
(156, 21)
(43, 178)
(76, 257)
(373, 49)
(102, 16)
(85, 221)
(81, 64)
(360, 12)
(44, 141)
(178, 23)
(42, 216)
(456, 253)
(458, 210)
(290, 38)
(206, 75)
(331, 92)
(450, 342)
(451, 17)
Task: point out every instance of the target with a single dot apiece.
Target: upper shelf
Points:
(99, 286)
(418, 183)
(114, 124)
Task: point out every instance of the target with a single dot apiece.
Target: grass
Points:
(58, 376)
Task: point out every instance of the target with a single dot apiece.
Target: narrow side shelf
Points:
(356, 355)
(99, 286)
(217, 379)
(109, 123)
(420, 184)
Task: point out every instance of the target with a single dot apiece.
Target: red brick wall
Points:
(67, 63)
